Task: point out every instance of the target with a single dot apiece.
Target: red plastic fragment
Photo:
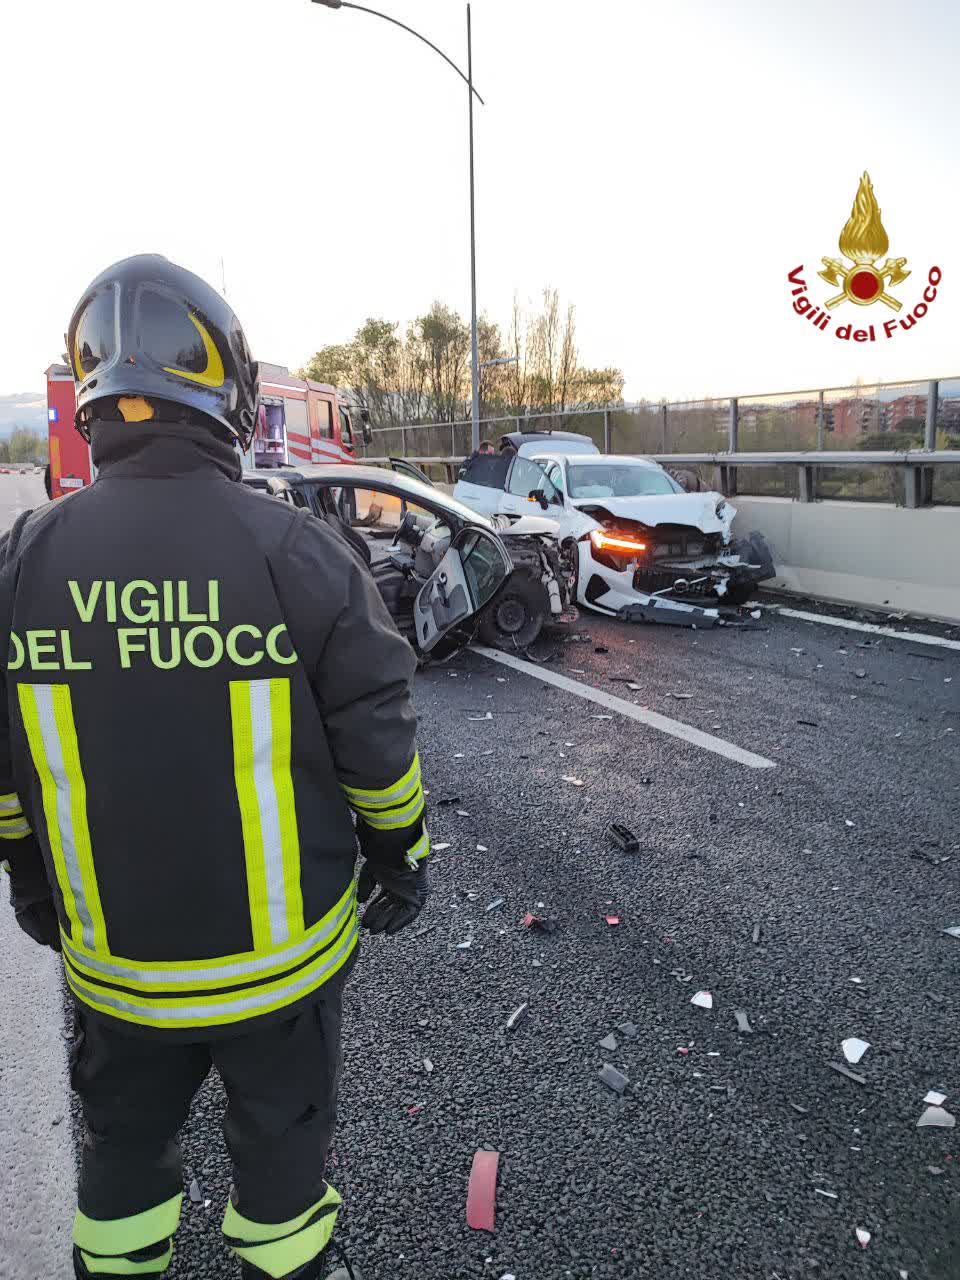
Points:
(529, 920)
(612, 920)
(482, 1191)
(684, 1051)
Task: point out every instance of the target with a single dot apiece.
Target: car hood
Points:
(696, 509)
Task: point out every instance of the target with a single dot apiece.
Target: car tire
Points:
(515, 618)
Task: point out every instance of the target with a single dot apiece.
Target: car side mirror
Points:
(467, 578)
(537, 495)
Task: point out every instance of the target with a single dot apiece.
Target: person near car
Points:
(203, 689)
(483, 448)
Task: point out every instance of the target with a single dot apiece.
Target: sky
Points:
(663, 165)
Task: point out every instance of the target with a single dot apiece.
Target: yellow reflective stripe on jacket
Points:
(47, 711)
(189, 976)
(416, 853)
(392, 819)
(113, 1237)
(405, 788)
(14, 828)
(282, 1248)
(169, 1012)
(10, 803)
(260, 711)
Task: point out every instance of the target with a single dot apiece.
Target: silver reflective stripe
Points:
(246, 1004)
(418, 851)
(43, 695)
(173, 977)
(10, 803)
(262, 725)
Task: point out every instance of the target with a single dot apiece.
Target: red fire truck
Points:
(70, 466)
(303, 421)
(300, 422)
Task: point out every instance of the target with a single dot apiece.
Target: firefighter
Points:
(203, 687)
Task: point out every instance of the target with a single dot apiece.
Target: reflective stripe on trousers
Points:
(109, 1247)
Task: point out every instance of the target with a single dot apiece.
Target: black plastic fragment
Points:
(196, 1195)
(624, 837)
(628, 1030)
(845, 1071)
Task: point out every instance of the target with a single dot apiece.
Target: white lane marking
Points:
(652, 718)
(872, 628)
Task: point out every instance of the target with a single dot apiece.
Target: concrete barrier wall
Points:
(872, 554)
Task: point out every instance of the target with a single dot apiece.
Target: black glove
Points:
(39, 921)
(403, 894)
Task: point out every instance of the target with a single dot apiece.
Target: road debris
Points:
(935, 1099)
(428, 1066)
(610, 1043)
(624, 837)
(601, 717)
(495, 905)
(844, 1071)
(463, 813)
(482, 1191)
(863, 1237)
(612, 921)
(801, 1111)
(681, 697)
(542, 924)
(953, 931)
(196, 1195)
(936, 1118)
(756, 934)
(628, 1030)
(702, 999)
(830, 1195)
(743, 1022)
(854, 1049)
(857, 981)
(479, 719)
(574, 782)
(465, 945)
(811, 724)
(848, 823)
(935, 1169)
(613, 1078)
(517, 1016)
(860, 673)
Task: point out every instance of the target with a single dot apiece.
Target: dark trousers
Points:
(281, 1082)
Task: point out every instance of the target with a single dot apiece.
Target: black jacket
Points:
(201, 683)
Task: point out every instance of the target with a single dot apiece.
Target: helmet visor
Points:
(95, 336)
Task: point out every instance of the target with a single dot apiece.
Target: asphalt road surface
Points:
(819, 800)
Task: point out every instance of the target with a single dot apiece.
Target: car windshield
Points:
(618, 480)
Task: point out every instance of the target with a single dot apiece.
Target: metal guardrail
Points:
(917, 465)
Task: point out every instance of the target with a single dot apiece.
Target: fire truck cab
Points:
(303, 421)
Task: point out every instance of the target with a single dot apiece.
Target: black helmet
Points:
(146, 327)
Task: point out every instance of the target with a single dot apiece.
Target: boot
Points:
(315, 1269)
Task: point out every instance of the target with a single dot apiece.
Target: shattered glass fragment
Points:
(936, 1118)
(609, 1043)
(854, 1048)
(613, 1078)
(703, 1000)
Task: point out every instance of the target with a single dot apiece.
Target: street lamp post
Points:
(471, 93)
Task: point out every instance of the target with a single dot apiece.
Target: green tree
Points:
(26, 446)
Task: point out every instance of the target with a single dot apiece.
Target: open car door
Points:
(404, 467)
(466, 579)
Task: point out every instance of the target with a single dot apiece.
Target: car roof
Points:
(335, 473)
(598, 459)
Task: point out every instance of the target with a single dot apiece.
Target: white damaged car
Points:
(642, 547)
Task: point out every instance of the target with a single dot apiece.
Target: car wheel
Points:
(515, 618)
